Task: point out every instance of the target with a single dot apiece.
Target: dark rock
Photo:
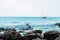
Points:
(11, 35)
(6, 29)
(58, 38)
(33, 34)
(21, 31)
(58, 24)
(37, 31)
(1, 39)
(51, 35)
(2, 29)
(30, 37)
(0, 36)
(30, 32)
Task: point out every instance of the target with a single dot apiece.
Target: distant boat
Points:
(44, 17)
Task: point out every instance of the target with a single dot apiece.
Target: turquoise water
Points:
(37, 23)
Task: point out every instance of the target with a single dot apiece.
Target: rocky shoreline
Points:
(12, 34)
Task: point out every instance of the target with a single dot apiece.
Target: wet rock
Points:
(33, 34)
(37, 31)
(11, 35)
(31, 37)
(0, 36)
(34, 31)
(2, 29)
(1, 39)
(58, 24)
(21, 31)
(37, 39)
(51, 35)
(30, 32)
(58, 38)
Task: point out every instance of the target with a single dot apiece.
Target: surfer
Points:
(29, 27)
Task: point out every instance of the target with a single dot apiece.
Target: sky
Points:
(28, 8)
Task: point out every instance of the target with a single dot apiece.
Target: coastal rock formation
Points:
(2, 29)
(58, 24)
(31, 37)
(37, 31)
(58, 38)
(51, 35)
(34, 34)
(34, 31)
(11, 35)
(5, 29)
(0, 36)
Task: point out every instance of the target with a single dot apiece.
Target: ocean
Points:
(37, 23)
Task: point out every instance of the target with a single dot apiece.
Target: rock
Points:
(1, 39)
(34, 31)
(30, 37)
(0, 36)
(37, 39)
(2, 29)
(21, 31)
(51, 35)
(58, 24)
(33, 34)
(58, 38)
(30, 32)
(11, 35)
(37, 31)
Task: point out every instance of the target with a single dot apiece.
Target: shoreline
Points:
(35, 33)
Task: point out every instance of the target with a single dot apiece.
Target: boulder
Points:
(58, 38)
(31, 37)
(0, 36)
(34, 31)
(37, 31)
(33, 34)
(57, 24)
(2, 29)
(11, 35)
(51, 35)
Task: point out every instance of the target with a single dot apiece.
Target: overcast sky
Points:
(30, 8)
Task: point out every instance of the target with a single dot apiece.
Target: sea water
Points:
(37, 23)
